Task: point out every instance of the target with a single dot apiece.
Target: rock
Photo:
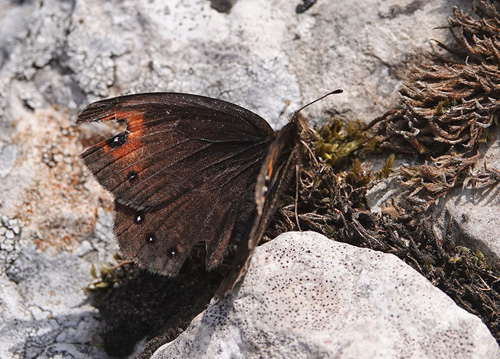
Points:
(306, 296)
(473, 210)
(259, 55)
(72, 351)
(43, 303)
(7, 157)
(57, 56)
(13, 320)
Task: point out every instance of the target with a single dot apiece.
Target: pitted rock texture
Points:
(306, 296)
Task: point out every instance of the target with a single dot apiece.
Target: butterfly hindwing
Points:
(273, 177)
(182, 172)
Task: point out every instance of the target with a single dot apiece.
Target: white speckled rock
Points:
(309, 297)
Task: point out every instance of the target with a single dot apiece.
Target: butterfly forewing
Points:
(184, 171)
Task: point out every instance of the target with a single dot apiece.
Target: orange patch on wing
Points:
(135, 127)
(270, 169)
(132, 147)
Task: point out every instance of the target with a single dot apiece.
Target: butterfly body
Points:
(189, 169)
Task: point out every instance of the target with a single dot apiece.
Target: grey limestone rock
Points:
(306, 296)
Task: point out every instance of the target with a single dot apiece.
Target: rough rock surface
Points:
(57, 56)
(474, 212)
(305, 296)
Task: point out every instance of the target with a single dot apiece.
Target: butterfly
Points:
(190, 169)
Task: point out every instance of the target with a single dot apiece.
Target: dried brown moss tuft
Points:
(448, 103)
(447, 106)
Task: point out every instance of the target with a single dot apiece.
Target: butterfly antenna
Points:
(337, 91)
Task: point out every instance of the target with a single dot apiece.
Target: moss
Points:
(443, 106)
(337, 140)
(448, 106)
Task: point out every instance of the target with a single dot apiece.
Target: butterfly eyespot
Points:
(132, 176)
(150, 238)
(122, 121)
(139, 218)
(117, 140)
(172, 253)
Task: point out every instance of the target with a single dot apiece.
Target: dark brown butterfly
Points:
(190, 169)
